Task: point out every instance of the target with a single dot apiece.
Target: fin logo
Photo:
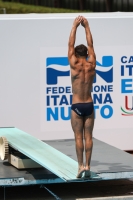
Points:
(59, 66)
(105, 70)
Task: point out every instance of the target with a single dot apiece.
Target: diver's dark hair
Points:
(81, 50)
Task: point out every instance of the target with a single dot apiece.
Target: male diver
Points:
(82, 61)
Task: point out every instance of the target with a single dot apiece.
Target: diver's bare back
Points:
(82, 75)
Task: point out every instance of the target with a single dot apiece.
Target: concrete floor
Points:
(78, 191)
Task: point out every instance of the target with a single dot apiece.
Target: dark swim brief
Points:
(83, 109)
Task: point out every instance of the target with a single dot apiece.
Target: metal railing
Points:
(93, 5)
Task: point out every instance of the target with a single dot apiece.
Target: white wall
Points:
(26, 41)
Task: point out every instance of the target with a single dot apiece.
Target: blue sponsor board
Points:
(59, 98)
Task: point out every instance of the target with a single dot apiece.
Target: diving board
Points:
(42, 153)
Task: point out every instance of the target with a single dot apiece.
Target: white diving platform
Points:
(48, 157)
(59, 162)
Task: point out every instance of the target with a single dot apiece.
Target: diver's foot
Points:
(87, 173)
(80, 172)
